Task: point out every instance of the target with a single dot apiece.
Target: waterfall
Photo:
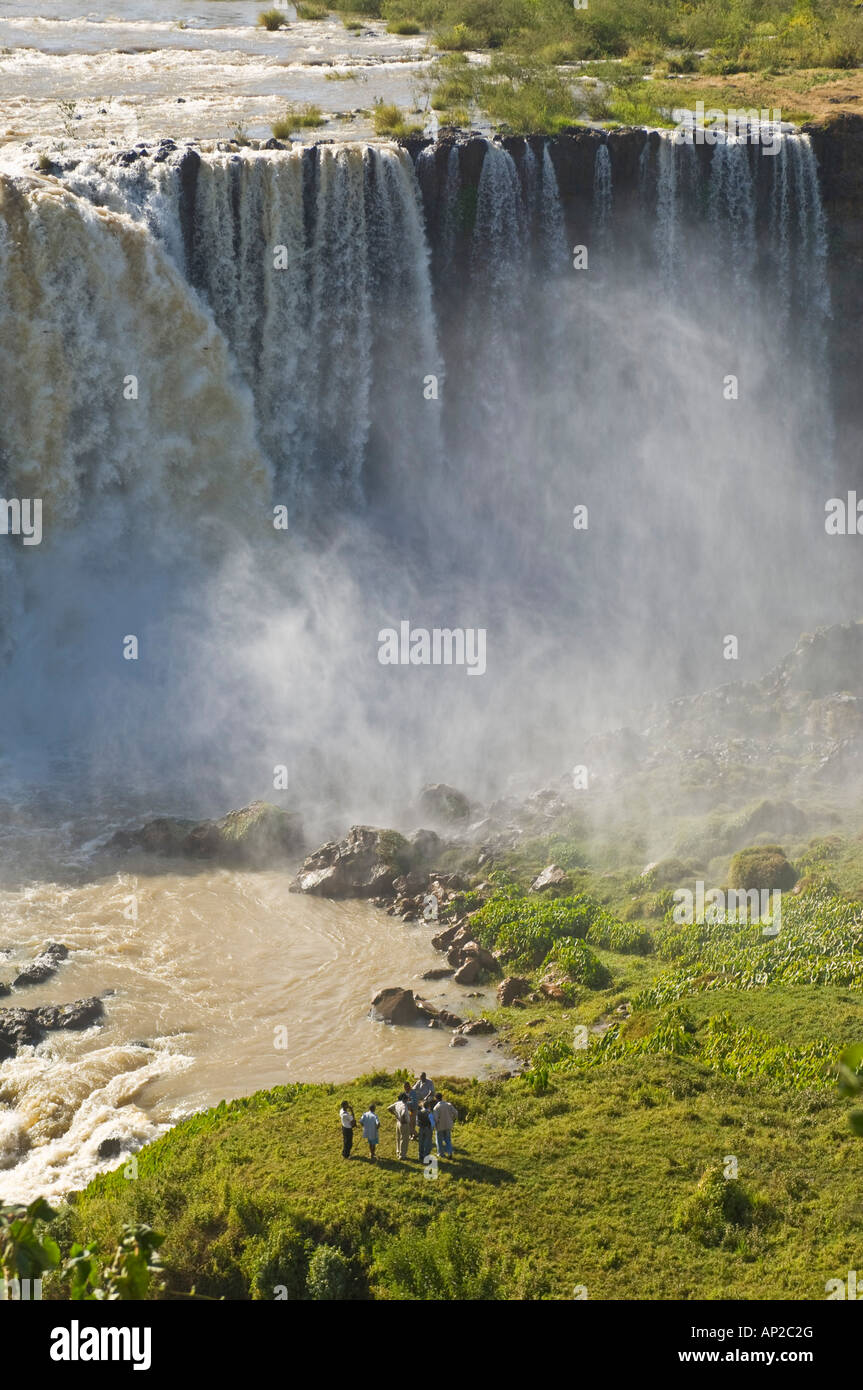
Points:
(430, 386)
(602, 191)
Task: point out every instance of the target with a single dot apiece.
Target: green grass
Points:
(403, 26)
(272, 19)
(603, 1165)
(390, 122)
(582, 1184)
(297, 118)
(305, 11)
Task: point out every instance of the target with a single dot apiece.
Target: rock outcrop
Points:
(256, 836)
(362, 865)
(43, 966)
(27, 1027)
(512, 988)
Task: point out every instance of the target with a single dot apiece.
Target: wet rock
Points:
(448, 1020)
(475, 1027)
(551, 877)
(396, 1005)
(256, 835)
(469, 973)
(359, 866)
(512, 988)
(44, 965)
(444, 939)
(426, 846)
(442, 972)
(484, 958)
(27, 1027)
(444, 804)
(458, 1040)
(110, 1148)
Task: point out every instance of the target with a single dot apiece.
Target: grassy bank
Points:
(692, 1145)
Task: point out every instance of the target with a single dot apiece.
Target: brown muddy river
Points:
(207, 969)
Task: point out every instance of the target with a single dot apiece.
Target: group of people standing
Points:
(420, 1112)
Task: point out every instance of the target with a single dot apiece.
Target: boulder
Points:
(551, 877)
(484, 958)
(448, 1020)
(110, 1148)
(512, 988)
(362, 865)
(444, 939)
(441, 973)
(476, 1026)
(43, 966)
(425, 846)
(27, 1027)
(397, 1006)
(258, 834)
(469, 973)
(443, 804)
(553, 992)
(458, 1040)
(166, 835)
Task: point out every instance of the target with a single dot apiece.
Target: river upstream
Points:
(139, 69)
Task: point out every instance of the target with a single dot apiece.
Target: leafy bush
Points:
(523, 931)
(620, 936)
(403, 26)
(279, 1261)
(763, 867)
(445, 1263)
(578, 963)
(329, 1275)
(717, 1204)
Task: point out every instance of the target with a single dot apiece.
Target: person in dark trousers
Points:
(349, 1124)
(425, 1127)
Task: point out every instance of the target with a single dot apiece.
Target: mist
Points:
(431, 388)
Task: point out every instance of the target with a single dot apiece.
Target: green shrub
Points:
(763, 867)
(305, 11)
(329, 1275)
(717, 1204)
(442, 1263)
(579, 964)
(403, 26)
(279, 1261)
(524, 930)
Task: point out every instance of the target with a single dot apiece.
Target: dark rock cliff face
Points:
(838, 148)
(839, 151)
